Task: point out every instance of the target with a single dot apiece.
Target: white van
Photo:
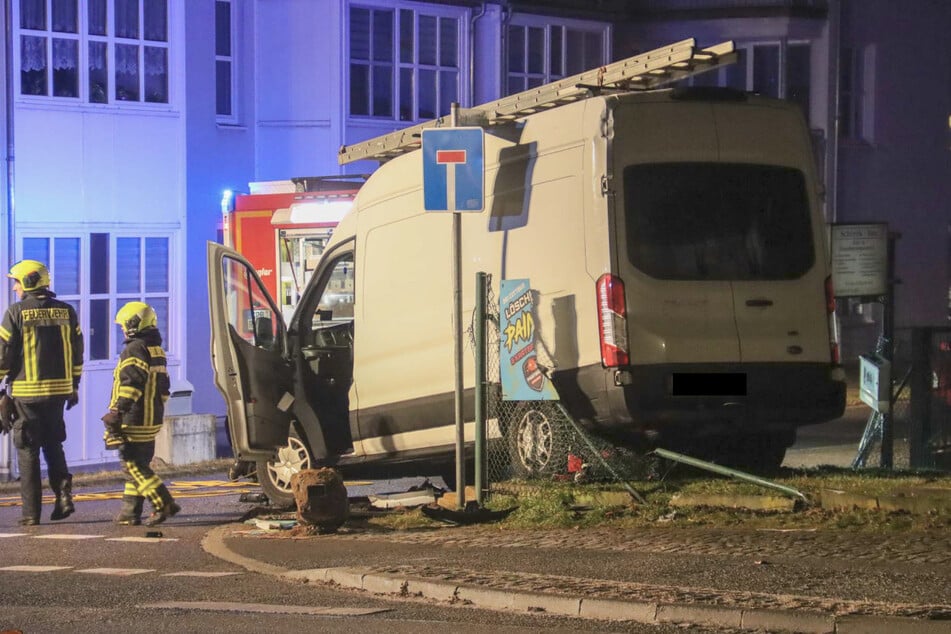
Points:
(677, 247)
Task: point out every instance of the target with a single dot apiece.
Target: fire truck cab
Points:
(282, 227)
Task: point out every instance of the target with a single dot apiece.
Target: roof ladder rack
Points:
(647, 71)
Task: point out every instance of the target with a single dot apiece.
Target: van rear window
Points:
(717, 221)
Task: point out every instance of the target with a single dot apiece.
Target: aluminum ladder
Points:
(647, 71)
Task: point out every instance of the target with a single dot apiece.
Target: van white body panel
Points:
(704, 206)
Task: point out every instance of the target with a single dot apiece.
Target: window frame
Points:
(85, 39)
(459, 14)
(85, 296)
(746, 49)
(857, 102)
(231, 118)
(548, 24)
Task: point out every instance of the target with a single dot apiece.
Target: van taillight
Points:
(612, 321)
(830, 296)
(835, 353)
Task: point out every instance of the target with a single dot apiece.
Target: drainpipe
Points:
(472, 50)
(504, 52)
(835, 59)
(6, 446)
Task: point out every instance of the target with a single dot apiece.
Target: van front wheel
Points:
(537, 441)
(275, 475)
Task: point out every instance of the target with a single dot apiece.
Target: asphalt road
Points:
(85, 575)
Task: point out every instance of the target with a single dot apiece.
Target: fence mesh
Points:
(537, 441)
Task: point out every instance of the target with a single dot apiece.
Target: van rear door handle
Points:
(759, 302)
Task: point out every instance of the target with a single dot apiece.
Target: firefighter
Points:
(140, 388)
(41, 357)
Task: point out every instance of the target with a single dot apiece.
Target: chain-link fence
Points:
(538, 441)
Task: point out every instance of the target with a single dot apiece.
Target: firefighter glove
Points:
(7, 412)
(72, 400)
(112, 421)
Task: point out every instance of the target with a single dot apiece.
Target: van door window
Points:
(327, 352)
(718, 221)
(336, 299)
(249, 312)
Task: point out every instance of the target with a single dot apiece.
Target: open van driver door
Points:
(248, 350)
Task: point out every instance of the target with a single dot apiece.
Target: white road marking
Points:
(34, 568)
(198, 573)
(266, 608)
(66, 536)
(122, 572)
(2, 535)
(142, 540)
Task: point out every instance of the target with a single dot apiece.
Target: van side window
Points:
(718, 221)
(336, 299)
(250, 314)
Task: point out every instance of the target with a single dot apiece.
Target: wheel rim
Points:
(292, 458)
(534, 439)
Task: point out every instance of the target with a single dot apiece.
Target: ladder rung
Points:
(646, 71)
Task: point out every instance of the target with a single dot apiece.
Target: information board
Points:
(859, 259)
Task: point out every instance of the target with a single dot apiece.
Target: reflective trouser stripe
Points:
(145, 486)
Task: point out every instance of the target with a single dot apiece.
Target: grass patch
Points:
(551, 506)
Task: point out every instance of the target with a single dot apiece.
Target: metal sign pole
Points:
(457, 322)
(888, 337)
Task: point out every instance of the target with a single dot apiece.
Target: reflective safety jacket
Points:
(41, 347)
(140, 386)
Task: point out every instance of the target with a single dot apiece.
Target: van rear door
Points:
(679, 305)
(248, 355)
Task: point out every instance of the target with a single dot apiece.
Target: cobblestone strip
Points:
(627, 591)
(921, 548)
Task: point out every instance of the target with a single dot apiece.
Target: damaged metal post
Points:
(733, 473)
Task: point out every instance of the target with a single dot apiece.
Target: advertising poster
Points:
(521, 378)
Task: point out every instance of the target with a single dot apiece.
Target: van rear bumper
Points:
(747, 396)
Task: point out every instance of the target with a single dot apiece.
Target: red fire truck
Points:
(282, 227)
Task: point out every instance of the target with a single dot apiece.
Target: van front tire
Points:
(275, 475)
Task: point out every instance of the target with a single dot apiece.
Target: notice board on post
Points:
(859, 259)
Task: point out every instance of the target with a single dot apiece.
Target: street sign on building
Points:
(453, 168)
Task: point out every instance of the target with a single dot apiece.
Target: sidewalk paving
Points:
(796, 581)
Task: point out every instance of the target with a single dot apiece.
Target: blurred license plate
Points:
(708, 384)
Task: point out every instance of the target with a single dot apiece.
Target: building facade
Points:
(125, 120)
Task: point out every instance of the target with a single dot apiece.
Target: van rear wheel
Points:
(537, 441)
(275, 475)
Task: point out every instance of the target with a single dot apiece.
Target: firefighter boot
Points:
(63, 506)
(131, 512)
(32, 504)
(166, 510)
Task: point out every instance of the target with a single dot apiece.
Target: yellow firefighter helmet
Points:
(135, 317)
(30, 274)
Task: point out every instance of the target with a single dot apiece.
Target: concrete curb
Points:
(793, 621)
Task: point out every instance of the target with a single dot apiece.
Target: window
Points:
(404, 63)
(856, 89)
(776, 69)
(98, 51)
(115, 270)
(717, 221)
(250, 315)
(540, 53)
(225, 93)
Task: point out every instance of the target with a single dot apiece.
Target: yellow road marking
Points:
(178, 488)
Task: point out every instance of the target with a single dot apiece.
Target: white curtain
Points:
(65, 16)
(32, 53)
